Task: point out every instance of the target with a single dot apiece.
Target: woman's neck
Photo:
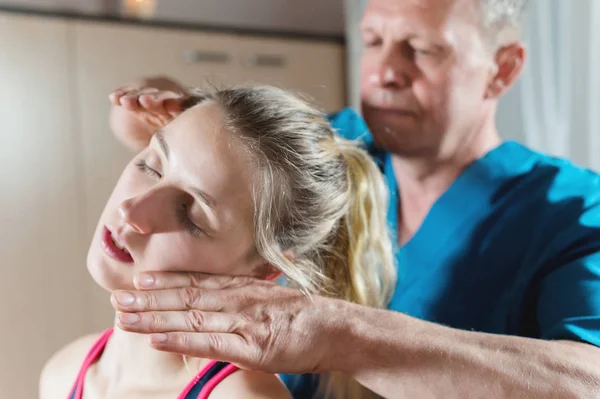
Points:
(128, 362)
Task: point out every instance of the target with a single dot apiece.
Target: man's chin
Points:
(406, 143)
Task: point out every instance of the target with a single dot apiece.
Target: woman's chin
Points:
(107, 275)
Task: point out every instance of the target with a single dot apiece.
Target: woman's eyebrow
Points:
(201, 195)
(205, 198)
(164, 146)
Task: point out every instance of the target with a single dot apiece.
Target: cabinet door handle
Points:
(196, 56)
(264, 60)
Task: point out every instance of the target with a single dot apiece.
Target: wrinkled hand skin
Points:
(252, 323)
(141, 107)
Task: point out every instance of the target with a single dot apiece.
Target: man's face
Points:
(424, 74)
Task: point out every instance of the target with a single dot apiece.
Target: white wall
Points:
(353, 10)
(315, 16)
(554, 106)
(79, 5)
(311, 16)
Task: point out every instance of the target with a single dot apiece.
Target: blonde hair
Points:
(316, 196)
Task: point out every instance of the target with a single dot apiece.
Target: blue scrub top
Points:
(512, 247)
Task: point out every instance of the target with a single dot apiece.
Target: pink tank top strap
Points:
(93, 355)
(207, 379)
(199, 388)
(216, 380)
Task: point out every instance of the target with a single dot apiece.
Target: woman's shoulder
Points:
(251, 384)
(60, 371)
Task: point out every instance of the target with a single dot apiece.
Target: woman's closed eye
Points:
(144, 167)
(183, 215)
(182, 209)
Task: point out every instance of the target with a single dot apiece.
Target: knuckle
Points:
(155, 322)
(241, 325)
(240, 281)
(151, 302)
(195, 320)
(215, 343)
(190, 297)
(195, 279)
(182, 339)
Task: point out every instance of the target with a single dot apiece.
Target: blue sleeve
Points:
(351, 126)
(569, 295)
(302, 386)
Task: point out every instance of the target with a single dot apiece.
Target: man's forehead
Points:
(433, 6)
(438, 12)
(399, 4)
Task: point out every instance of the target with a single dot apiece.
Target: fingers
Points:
(163, 300)
(164, 104)
(187, 321)
(168, 280)
(230, 348)
(125, 95)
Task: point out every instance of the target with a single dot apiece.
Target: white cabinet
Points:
(44, 281)
(315, 69)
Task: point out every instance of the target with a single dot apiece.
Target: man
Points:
(499, 261)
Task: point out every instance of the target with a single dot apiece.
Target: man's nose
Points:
(392, 69)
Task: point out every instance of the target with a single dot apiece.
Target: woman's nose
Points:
(138, 213)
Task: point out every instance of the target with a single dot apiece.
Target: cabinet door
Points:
(110, 55)
(313, 68)
(44, 277)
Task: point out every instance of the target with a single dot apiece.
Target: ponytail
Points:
(364, 272)
(316, 196)
(369, 254)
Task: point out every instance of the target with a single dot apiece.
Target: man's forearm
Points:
(398, 356)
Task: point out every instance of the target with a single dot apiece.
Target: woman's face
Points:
(182, 204)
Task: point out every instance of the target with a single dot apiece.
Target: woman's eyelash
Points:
(143, 166)
(184, 219)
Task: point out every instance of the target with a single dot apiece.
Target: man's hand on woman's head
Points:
(143, 106)
(250, 322)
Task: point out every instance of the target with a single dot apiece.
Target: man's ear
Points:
(510, 60)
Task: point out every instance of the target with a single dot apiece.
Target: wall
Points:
(314, 16)
(79, 5)
(308, 16)
(353, 10)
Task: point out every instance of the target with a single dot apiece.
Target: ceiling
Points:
(324, 17)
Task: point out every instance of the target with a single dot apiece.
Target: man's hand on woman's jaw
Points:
(249, 322)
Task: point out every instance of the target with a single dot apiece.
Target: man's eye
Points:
(372, 42)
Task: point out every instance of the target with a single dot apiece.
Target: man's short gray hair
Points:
(500, 16)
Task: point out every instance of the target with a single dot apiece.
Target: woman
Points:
(247, 181)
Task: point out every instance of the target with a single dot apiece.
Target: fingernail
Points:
(124, 298)
(129, 318)
(145, 280)
(157, 338)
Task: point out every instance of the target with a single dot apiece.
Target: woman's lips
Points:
(112, 250)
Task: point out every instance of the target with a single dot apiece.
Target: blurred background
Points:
(59, 59)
